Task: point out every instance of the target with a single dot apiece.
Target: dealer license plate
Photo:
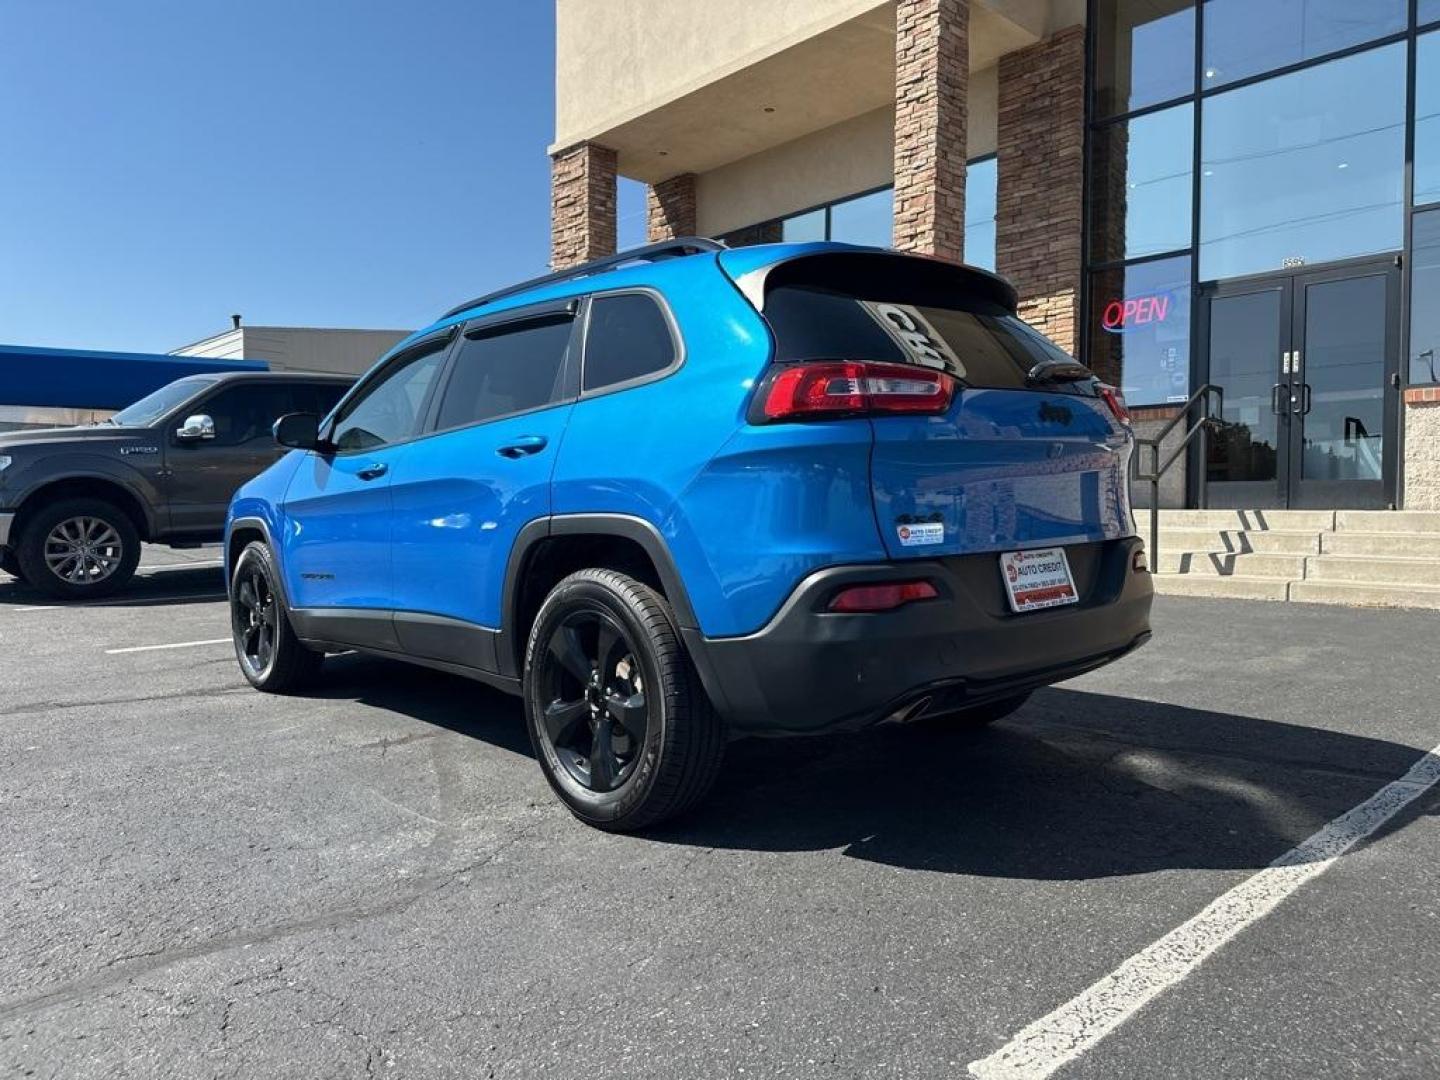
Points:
(1037, 579)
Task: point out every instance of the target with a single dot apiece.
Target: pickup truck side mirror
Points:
(298, 430)
(195, 428)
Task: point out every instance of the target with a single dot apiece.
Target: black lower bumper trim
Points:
(810, 670)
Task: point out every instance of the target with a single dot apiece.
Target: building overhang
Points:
(761, 101)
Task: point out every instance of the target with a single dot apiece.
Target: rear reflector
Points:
(816, 390)
(886, 597)
(1116, 401)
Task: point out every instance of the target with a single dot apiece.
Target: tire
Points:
(78, 549)
(271, 657)
(10, 563)
(604, 660)
(977, 716)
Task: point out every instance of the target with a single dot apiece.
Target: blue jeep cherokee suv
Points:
(691, 492)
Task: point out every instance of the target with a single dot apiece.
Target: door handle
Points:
(373, 472)
(1305, 400)
(1275, 392)
(524, 445)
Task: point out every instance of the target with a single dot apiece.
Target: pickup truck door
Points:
(205, 472)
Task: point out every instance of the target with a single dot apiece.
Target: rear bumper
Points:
(7, 524)
(809, 670)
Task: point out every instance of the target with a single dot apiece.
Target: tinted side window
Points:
(508, 370)
(628, 338)
(389, 409)
(319, 398)
(246, 412)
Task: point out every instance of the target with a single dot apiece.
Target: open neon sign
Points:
(1120, 316)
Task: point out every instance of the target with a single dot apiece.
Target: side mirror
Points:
(298, 430)
(195, 428)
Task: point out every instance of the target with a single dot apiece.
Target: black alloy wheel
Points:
(253, 616)
(621, 726)
(271, 657)
(595, 712)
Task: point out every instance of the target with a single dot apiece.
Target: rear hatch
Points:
(987, 437)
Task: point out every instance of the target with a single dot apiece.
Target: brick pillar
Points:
(1041, 167)
(670, 208)
(582, 204)
(932, 73)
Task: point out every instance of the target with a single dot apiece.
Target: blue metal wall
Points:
(85, 379)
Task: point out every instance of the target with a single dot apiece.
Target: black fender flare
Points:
(625, 526)
(263, 527)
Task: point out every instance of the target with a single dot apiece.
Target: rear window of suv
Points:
(903, 315)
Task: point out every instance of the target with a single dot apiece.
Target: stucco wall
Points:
(849, 157)
(1422, 450)
(616, 57)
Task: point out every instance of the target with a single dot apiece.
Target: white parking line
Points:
(1062, 1036)
(174, 645)
(128, 601)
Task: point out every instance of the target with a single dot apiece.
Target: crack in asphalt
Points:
(324, 920)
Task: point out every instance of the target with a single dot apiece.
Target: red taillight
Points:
(1116, 401)
(886, 597)
(852, 388)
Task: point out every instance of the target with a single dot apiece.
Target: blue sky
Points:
(303, 162)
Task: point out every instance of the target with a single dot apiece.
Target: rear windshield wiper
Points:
(1053, 371)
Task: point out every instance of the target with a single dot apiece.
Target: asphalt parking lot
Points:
(373, 879)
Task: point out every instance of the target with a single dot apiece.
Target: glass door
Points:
(1247, 329)
(1306, 362)
(1345, 348)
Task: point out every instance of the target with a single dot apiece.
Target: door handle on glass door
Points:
(525, 444)
(373, 472)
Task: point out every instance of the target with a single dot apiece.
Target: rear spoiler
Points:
(757, 270)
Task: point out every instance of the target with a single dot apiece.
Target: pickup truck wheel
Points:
(78, 549)
(271, 657)
(977, 716)
(620, 724)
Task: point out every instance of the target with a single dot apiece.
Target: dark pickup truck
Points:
(75, 503)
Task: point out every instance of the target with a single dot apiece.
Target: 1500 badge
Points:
(128, 450)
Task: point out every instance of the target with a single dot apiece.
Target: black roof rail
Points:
(666, 249)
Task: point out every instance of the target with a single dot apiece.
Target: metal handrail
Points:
(1210, 418)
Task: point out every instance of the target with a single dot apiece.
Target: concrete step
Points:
(1373, 569)
(1236, 540)
(1397, 544)
(1228, 564)
(1375, 521)
(1257, 520)
(1365, 594)
(1230, 588)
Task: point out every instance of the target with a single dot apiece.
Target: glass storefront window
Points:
(1429, 11)
(1244, 38)
(981, 177)
(1425, 298)
(1144, 53)
(1139, 329)
(1427, 119)
(800, 228)
(1140, 185)
(869, 219)
(1304, 168)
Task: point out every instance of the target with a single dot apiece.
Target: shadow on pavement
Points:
(1073, 786)
(461, 705)
(201, 585)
